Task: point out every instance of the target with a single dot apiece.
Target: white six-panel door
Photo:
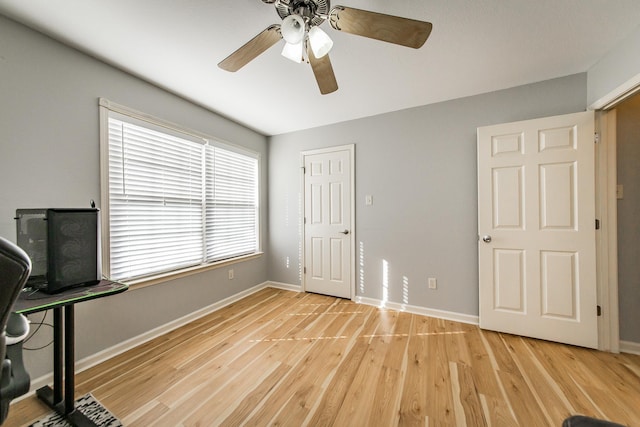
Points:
(328, 242)
(536, 225)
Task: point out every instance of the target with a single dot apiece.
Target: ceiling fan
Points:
(305, 41)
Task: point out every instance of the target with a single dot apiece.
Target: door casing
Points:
(606, 208)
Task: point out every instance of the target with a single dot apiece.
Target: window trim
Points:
(106, 107)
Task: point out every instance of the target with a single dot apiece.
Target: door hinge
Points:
(304, 220)
(597, 224)
(304, 270)
(596, 137)
(599, 310)
(304, 170)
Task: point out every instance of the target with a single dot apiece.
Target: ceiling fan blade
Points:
(323, 71)
(252, 49)
(387, 28)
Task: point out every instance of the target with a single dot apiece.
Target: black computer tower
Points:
(72, 246)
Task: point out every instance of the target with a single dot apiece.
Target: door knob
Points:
(345, 232)
(486, 239)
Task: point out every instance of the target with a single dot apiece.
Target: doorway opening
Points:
(627, 195)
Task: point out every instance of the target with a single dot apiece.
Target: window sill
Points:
(178, 274)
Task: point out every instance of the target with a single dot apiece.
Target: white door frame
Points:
(607, 236)
(352, 234)
(607, 210)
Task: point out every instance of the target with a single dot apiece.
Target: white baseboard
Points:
(117, 349)
(630, 347)
(440, 314)
(284, 286)
(431, 312)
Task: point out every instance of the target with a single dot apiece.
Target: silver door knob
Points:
(486, 239)
(345, 232)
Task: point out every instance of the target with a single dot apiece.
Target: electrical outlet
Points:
(433, 283)
(231, 274)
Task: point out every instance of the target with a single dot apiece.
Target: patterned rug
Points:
(90, 407)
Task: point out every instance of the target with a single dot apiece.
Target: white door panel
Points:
(327, 223)
(536, 201)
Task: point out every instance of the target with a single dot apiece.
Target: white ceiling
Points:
(476, 46)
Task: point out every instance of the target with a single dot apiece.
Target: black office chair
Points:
(15, 267)
(582, 421)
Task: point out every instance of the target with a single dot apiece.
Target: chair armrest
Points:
(17, 328)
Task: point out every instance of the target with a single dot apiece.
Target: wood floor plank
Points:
(309, 387)
(167, 361)
(302, 354)
(552, 402)
(497, 412)
(233, 391)
(328, 408)
(456, 345)
(247, 406)
(504, 361)
(614, 375)
(466, 395)
(441, 409)
(146, 415)
(482, 369)
(225, 365)
(359, 402)
(559, 367)
(613, 407)
(522, 400)
(293, 359)
(391, 375)
(155, 349)
(414, 393)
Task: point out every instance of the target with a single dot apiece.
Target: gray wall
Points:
(628, 155)
(618, 66)
(49, 157)
(420, 167)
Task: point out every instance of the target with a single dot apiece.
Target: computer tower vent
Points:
(72, 242)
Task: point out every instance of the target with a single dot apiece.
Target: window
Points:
(172, 199)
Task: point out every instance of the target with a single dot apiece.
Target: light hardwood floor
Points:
(283, 358)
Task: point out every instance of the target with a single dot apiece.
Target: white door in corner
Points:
(328, 221)
(536, 225)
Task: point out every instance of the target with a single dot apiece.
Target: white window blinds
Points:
(176, 201)
(232, 200)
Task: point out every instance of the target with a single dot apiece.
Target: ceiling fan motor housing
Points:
(314, 11)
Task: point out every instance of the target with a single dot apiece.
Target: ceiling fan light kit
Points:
(320, 42)
(293, 29)
(293, 52)
(300, 27)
